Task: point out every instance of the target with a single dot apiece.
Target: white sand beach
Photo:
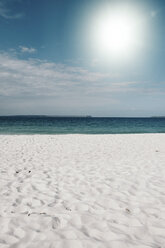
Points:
(82, 191)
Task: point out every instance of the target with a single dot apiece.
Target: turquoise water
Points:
(79, 125)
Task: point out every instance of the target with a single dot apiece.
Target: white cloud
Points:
(34, 77)
(24, 49)
(6, 13)
(38, 77)
(34, 86)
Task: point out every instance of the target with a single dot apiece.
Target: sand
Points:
(82, 191)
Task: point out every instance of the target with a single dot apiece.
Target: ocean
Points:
(79, 125)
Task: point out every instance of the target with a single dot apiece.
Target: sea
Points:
(80, 125)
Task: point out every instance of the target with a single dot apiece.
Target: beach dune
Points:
(82, 191)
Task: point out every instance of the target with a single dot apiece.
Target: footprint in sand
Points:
(55, 222)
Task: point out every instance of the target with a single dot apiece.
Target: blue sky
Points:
(51, 63)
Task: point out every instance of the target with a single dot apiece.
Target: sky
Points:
(90, 57)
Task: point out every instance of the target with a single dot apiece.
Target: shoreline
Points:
(85, 134)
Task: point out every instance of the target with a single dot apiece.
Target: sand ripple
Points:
(82, 191)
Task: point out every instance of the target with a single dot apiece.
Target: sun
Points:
(116, 33)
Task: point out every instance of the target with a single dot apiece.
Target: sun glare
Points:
(117, 32)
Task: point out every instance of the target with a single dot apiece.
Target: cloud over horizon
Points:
(36, 77)
(25, 83)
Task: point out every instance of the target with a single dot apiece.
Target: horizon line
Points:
(78, 116)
